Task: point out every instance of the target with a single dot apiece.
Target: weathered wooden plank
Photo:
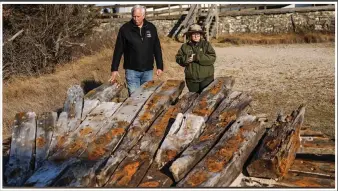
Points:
(189, 126)
(301, 180)
(73, 106)
(185, 129)
(278, 149)
(311, 133)
(110, 135)
(225, 161)
(146, 148)
(60, 133)
(211, 96)
(104, 93)
(49, 172)
(157, 103)
(219, 121)
(120, 120)
(21, 161)
(316, 168)
(88, 106)
(316, 145)
(76, 142)
(46, 123)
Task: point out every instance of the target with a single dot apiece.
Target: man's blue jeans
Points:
(135, 79)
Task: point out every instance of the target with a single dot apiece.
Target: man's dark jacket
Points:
(139, 46)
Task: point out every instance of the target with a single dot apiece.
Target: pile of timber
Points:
(160, 138)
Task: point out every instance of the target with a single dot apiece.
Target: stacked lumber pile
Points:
(160, 138)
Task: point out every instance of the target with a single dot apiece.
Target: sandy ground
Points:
(282, 77)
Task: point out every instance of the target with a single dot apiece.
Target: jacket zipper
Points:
(141, 34)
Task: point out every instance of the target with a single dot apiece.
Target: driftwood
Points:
(219, 121)
(225, 161)
(142, 154)
(104, 93)
(278, 149)
(189, 126)
(46, 123)
(21, 158)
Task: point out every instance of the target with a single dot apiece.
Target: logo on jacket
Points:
(148, 34)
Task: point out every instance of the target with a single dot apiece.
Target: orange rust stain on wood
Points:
(159, 128)
(150, 84)
(123, 177)
(214, 165)
(171, 154)
(86, 131)
(197, 178)
(303, 182)
(40, 142)
(144, 155)
(202, 108)
(75, 146)
(232, 145)
(60, 141)
(150, 184)
(146, 117)
(206, 137)
(90, 93)
(96, 153)
(216, 89)
(228, 116)
(117, 131)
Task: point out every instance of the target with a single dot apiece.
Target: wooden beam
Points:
(104, 93)
(21, 159)
(73, 106)
(155, 105)
(225, 161)
(46, 123)
(110, 135)
(218, 123)
(278, 149)
(189, 126)
(143, 153)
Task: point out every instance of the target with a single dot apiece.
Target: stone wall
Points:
(278, 23)
(265, 21)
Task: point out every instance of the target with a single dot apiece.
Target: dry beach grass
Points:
(278, 76)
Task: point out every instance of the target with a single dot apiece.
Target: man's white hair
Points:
(143, 9)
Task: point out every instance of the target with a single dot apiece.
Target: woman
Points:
(198, 58)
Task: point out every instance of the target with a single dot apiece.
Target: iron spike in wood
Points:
(46, 123)
(278, 149)
(73, 106)
(225, 161)
(21, 159)
(111, 134)
(142, 154)
(104, 93)
(189, 126)
(49, 172)
(219, 121)
(211, 96)
(76, 142)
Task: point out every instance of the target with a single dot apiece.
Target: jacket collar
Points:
(145, 23)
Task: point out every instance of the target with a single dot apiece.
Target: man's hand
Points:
(190, 59)
(158, 72)
(114, 74)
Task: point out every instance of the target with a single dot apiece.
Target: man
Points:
(198, 58)
(138, 41)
